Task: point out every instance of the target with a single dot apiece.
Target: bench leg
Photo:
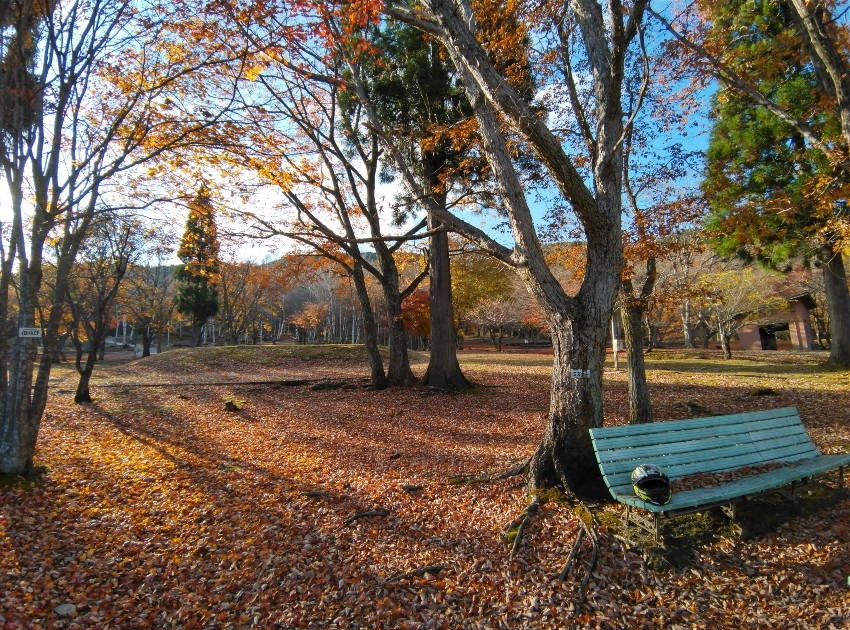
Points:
(657, 522)
(841, 477)
(628, 517)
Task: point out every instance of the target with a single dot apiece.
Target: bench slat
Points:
(765, 436)
(625, 467)
(765, 450)
(661, 450)
(790, 453)
(718, 465)
(692, 423)
(702, 451)
(621, 482)
(659, 437)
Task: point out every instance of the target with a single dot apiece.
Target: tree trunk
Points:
(20, 421)
(399, 373)
(829, 61)
(579, 324)
(565, 455)
(687, 326)
(24, 394)
(838, 302)
(443, 368)
(147, 341)
(640, 405)
(724, 342)
(653, 336)
(632, 313)
(59, 355)
(376, 363)
(83, 395)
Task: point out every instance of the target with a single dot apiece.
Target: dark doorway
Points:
(767, 334)
(768, 338)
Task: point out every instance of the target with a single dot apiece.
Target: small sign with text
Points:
(29, 332)
(580, 373)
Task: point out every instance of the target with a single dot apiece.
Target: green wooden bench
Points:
(711, 445)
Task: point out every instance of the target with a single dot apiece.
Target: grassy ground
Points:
(341, 507)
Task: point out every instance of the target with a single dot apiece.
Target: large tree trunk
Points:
(443, 368)
(829, 61)
(20, 422)
(838, 302)
(565, 455)
(370, 329)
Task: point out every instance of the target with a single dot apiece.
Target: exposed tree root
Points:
(524, 519)
(462, 480)
(260, 385)
(332, 385)
(588, 530)
(433, 569)
(517, 470)
(366, 514)
(573, 553)
(315, 494)
(591, 564)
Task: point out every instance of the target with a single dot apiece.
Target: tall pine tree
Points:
(415, 95)
(772, 196)
(197, 277)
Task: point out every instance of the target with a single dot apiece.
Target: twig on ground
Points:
(366, 514)
(434, 569)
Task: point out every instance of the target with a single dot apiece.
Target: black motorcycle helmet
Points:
(651, 484)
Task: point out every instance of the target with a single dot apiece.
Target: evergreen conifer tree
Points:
(197, 277)
(769, 191)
